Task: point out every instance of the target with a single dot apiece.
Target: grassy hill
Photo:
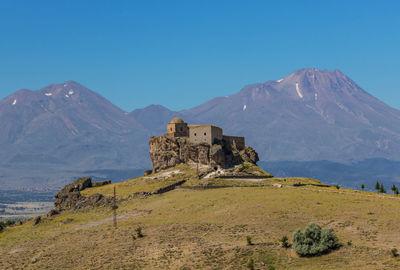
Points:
(198, 226)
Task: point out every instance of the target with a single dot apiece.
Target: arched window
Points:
(195, 134)
(205, 134)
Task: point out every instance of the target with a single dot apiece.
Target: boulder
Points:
(79, 185)
(37, 220)
(101, 183)
(147, 172)
(70, 197)
(52, 212)
(18, 223)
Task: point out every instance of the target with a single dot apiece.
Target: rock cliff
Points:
(167, 152)
(70, 197)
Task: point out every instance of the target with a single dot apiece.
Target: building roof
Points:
(195, 126)
(177, 120)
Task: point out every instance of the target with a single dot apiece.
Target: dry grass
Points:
(191, 229)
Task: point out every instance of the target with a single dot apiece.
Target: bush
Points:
(337, 187)
(250, 264)
(382, 189)
(284, 242)
(7, 223)
(139, 232)
(394, 252)
(362, 186)
(248, 238)
(314, 241)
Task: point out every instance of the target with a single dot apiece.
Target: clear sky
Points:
(182, 53)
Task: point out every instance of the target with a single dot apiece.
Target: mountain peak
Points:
(315, 71)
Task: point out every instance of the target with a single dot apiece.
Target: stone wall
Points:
(237, 141)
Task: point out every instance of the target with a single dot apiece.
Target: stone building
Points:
(205, 134)
(208, 134)
(198, 144)
(177, 128)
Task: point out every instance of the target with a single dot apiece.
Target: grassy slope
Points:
(207, 229)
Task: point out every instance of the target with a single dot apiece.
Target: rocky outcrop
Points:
(52, 212)
(70, 197)
(167, 152)
(36, 220)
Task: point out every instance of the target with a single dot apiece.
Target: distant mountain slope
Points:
(307, 115)
(54, 134)
(65, 128)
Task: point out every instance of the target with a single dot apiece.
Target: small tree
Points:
(382, 189)
(248, 239)
(284, 242)
(396, 191)
(362, 186)
(314, 241)
(337, 187)
(393, 188)
(377, 186)
(394, 252)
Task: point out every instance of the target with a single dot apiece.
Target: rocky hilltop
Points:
(167, 152)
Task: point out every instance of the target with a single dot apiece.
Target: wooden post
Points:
(115, 207)
(197, 166)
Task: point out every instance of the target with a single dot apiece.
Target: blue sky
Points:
(182, 53)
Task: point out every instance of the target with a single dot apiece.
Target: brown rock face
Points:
(167, 152)
(70, 197)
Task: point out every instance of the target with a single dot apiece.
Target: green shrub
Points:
(337, 187)
(248, 238)
(284, 242)
(139, 232)
(377, 186)
(250, 264)
(394, 252)
(7, 223)
(382, 189)
(362, 186)
(314, 241)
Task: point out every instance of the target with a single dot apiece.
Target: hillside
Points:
(195, 226)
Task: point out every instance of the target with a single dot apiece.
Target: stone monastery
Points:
(204, 145)
(208, 134)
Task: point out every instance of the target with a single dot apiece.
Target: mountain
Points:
(307, 115)
(52, 135)
(61, 130)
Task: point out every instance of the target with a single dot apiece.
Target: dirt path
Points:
(110, 219)
(341, 192)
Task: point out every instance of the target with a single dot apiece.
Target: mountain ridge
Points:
(307, 115)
